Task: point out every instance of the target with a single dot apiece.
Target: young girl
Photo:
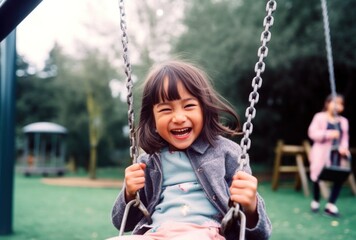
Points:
(188, 173)
(327, 130)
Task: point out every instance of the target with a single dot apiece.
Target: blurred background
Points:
(70, 53)
(69, 69)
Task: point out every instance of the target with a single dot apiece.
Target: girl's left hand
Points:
(243, 190)
(344, 152)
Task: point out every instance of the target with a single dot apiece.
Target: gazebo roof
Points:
(44, 127)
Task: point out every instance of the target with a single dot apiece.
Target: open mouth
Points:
(181, 132)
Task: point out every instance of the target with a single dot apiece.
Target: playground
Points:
(45, 211)
(49, 191)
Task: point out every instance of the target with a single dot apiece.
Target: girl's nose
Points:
(179, 118)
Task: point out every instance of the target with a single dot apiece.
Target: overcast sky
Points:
(61, 21)
(96, 23)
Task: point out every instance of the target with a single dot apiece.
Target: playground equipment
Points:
(12, 12)
(332, 173)
(324, 184)
(300, 168)
(44, 149)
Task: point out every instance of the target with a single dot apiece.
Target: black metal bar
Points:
(7, 131)
(12, 12)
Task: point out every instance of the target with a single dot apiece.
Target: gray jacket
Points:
(214, 167)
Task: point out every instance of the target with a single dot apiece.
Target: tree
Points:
(96, 73)
(63, 99)
(223, 36)
(34, 97)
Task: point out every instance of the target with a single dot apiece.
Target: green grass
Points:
(52, 212)
(291, 217)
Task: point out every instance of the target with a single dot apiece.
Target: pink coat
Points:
(319, 153)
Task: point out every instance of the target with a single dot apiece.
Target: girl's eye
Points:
(164, 110)
(190, 105)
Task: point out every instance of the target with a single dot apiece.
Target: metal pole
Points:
(7, 131)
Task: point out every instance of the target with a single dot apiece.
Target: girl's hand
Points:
(344, 152)
(243, 190)
(134, 180)
(334, 134)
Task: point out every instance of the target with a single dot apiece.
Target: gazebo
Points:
(44, 149)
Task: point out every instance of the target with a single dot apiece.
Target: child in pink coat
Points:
(326, 130)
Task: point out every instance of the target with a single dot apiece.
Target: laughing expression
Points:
(179, 122)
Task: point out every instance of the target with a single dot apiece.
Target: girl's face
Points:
(179, 122)
(338, 103)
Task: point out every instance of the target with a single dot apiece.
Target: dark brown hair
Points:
(330, 98)
(197, 83)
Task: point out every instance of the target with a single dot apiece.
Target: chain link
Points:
(129, 83)
(256, 84)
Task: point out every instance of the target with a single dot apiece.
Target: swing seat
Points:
(334, 174)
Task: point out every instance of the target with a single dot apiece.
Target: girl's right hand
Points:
(134, 180)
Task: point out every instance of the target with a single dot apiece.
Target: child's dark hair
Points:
(196, 82)
(330, 98)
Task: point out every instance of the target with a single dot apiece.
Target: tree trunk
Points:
(94, 126)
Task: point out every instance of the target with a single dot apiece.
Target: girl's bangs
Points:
(171, 93)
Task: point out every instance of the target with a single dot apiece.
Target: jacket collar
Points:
(199, 145)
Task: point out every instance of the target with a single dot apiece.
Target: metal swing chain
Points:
(131, 118)
(250, 112)
(235, 213)
(328, 47)
(329, 51)
(129, 82)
